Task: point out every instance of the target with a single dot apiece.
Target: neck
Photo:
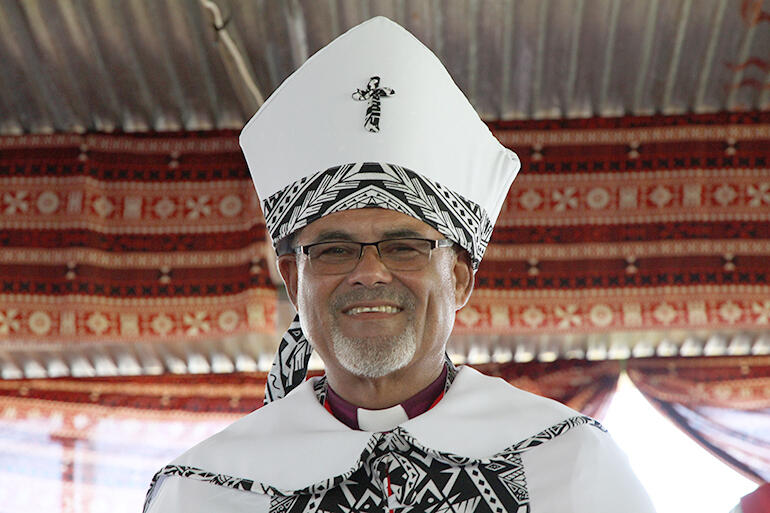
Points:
(386, 391)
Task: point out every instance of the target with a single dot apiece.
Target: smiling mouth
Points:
(357, 310)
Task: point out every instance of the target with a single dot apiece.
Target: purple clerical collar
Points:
(416, 405)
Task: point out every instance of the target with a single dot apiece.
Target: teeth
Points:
(367, 309)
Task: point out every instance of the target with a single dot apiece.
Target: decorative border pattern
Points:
(674, 205)
(90, 318)
(591, 311)
(373, 184)
(127, 238)
(719, 195)
(630, 224)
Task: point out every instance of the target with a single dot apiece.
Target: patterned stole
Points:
(289, 368)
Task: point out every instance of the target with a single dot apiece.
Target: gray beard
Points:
(374, 357)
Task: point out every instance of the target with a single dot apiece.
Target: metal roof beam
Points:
(574, 52)
(708, 59)
(506, 55)
(143, 109)
(473, 51)
(537, 75)
(83, 38)
(72, 104)
(644, 65)
(33, 90)
(673, 66)
(297, 30)
(609, 53)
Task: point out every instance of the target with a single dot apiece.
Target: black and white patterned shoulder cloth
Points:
(396, 472)
(376, 184)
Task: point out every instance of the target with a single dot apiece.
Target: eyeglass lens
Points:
(395, 254)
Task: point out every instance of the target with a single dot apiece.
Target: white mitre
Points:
(374, 120)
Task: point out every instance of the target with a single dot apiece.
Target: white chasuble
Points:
(485, 447)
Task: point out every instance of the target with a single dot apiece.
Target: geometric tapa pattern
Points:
(395, 472)
(613, 225)
(290, 365)
(620, 225)
(375, 184)
(126, 239)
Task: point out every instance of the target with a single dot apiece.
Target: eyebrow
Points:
(403, 232)
(390, 234)
(332, 235)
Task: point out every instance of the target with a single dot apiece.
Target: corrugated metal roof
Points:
(159, 65)
(242, 354)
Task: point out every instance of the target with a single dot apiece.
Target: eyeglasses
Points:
(340, 257)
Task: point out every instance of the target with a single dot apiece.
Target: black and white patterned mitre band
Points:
(374, 184)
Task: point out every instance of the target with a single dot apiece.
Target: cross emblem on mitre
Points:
(373, 93)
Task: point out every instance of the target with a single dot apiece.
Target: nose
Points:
(370, 270)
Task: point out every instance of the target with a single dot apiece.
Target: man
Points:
(381, 186)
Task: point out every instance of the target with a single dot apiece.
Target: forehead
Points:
(365, 224)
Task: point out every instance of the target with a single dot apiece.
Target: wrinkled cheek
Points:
(314, 318)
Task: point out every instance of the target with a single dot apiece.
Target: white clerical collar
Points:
(387, 418)
(381, 420)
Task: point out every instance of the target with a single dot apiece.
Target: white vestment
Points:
(543, 456)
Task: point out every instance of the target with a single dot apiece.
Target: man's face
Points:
(373, 321)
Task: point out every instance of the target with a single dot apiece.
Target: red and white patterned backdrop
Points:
(128, 238)
(652, 223)
(613, 224)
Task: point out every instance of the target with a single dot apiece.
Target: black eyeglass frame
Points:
(434, 244)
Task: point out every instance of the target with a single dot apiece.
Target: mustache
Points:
(402, 298)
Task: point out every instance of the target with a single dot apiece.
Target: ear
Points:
(464, 278)
(287, 266)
